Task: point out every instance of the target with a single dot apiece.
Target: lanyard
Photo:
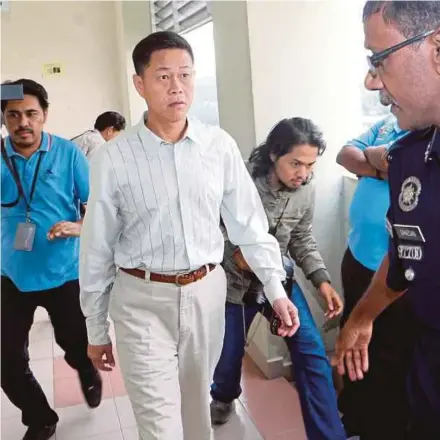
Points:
(17, 180)
(273, 231)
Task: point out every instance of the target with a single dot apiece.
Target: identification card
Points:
(24, 238)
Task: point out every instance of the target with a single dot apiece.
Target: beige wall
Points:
(80, 35)
(234, 82)
(134, 18)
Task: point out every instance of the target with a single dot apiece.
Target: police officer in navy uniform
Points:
(405, 40)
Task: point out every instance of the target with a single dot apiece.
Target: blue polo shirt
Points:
(62, 183)
(368, 236)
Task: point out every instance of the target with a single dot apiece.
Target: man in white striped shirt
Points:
(151, 240)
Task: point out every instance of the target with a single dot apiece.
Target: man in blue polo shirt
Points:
(44, 179)
(376, 407)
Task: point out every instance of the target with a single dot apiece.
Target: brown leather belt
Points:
(180, 279)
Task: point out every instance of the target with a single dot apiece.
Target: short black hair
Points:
(154, 42)
(30, 87)
(110, 119)
(286, 135)
(410, 18)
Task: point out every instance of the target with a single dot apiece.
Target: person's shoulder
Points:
(385, 131)
(67, 146)
(123, 140)
(128, 135)
(110, 153)
(209, 135)
(417, 137)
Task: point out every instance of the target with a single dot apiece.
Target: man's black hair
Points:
(110, 119)
(154, 42)
(30, 87)
(410, 18)
(286, 135)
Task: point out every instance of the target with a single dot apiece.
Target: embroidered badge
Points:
(409, 194)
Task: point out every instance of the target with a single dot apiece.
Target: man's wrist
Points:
(363, 313)
(274, 290)
(98, 334)
(318, 277)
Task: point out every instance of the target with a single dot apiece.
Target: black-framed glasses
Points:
(376, 59)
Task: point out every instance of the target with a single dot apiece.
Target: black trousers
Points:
(377, 407)
(17, 314)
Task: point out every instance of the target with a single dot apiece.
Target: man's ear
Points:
(436, 40)
(45, 112)
(139, 85)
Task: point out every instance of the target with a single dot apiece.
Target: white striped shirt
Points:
(157, 206)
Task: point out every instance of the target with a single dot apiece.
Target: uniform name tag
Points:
(410, 252)
(409, 233)
(24, 237)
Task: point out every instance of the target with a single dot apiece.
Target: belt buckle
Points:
(176, 279)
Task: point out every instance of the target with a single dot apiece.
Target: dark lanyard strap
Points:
(273, 231)
(34, 183)
(11, 170)
(16, 176)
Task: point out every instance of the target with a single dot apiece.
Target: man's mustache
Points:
(386, 99)
(24, 130)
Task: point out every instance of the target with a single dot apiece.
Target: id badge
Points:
(24, 238)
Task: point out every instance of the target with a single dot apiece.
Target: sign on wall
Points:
(53, 70)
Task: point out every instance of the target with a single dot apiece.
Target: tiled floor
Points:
(267, 410)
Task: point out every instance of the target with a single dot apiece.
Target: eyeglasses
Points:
(376, 59)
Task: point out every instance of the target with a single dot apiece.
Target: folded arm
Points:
(357, 155)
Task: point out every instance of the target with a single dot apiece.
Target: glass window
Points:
(205, 105)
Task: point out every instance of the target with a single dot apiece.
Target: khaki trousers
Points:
(169, 340)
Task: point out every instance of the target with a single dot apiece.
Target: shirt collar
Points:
(193, 131)
(46, 144)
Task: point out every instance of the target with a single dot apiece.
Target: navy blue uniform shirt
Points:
(414, 222)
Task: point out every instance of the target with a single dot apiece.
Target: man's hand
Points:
(352, 347)
(288, 314)
(333, 300)
(64, 230)
(101, 356)
(376, 157)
